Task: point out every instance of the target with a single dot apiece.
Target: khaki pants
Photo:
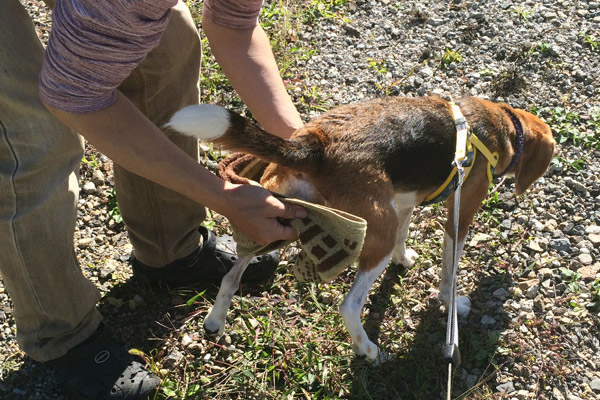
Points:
(54, 304)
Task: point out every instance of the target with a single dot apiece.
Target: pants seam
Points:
(15, 213)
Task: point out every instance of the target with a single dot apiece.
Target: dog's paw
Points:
(407, 259)
(367, 349)
(463, 306)
(444, 297)
(382, 358)
(213, 325)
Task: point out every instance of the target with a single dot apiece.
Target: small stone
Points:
(548, 287)
(594, 238)
(585, 259)
(98, 178)
(589, 272)
(506, 388)
(472, 380)
(500, 293)
(560, 244)
(488, 321)
(532, 292)
(478, 238)
(595, 385)
(173, 359)
(84, 243)
(89, 188)
(545, 273)
(557, 394)
(327, 298)
(535, 246)
(526, 284)
(186, 340)
(522, 394)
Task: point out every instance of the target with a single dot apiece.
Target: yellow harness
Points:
(467, 144)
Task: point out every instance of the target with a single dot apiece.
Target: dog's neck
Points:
(519, 143)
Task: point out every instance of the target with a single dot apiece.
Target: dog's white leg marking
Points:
(214, 323)
(402, 255)
(404, 203)
(351, 309)
(447, 261)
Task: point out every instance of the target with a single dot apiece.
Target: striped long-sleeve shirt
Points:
(94, 45)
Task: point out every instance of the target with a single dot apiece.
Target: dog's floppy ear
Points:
(538, 150)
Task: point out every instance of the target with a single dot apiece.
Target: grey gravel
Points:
(532, 268)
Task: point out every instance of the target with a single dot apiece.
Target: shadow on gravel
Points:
(417, 369)
(32, 381)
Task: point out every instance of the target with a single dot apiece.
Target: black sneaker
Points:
(210, 263)
(100, 369)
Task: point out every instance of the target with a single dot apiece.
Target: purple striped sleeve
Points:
(94, 45)
(234, 14)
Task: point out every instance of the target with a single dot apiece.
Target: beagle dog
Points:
(379, 159)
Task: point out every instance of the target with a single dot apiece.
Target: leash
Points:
(450, 350)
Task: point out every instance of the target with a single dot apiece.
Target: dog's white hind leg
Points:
(351, 309)
(214, 323)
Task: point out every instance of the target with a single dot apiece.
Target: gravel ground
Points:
(531, 265)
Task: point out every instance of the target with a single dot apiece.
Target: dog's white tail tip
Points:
(204, 121)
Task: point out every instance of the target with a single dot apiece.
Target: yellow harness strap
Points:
(462, 133)
(491, 157)
(466, 145)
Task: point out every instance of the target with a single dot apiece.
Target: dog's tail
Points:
(232, 131)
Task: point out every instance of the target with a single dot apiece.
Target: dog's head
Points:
(538, 150)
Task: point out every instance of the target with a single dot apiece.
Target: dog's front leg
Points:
(473, 193)
(447, 268)
(402, 255)
(214, 323)
(351, 309)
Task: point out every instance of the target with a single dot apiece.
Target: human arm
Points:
(124, 134)
(246, 58)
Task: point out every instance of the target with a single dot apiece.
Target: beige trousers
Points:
(54, 304)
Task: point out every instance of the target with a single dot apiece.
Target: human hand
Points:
(254, 212)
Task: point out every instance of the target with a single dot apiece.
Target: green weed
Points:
(450, 57)
(92, 162)
(377, 65)
(522, 13)
(577, 165)
(317, 9)
(589, 41)
(570, 127)
(571, 278)
(113, 206)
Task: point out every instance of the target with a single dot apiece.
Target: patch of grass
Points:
(378, 66)
(571, 278)
(508, 82)
(544, 48)
(570, 127)
(590, 41)
(312, 99)
(90, 161)
(113, 206)
(576, 165)
(317, 9)
(419, 16)
(522, 13)
(450, 57)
